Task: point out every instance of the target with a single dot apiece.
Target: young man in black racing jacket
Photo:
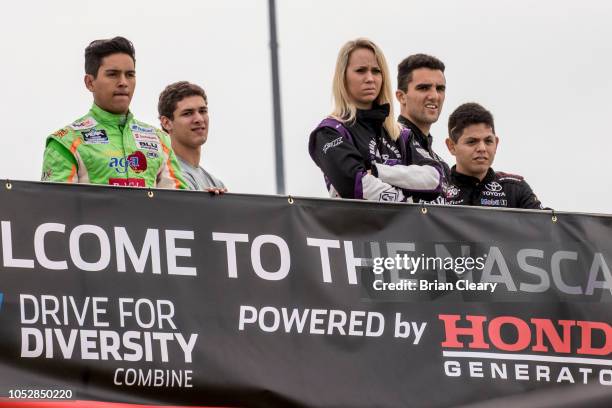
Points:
(473, 142)
(421, 89)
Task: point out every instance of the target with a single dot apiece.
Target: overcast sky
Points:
(542, 67)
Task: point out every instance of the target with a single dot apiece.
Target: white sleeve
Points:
(413, 177)
(374, 189)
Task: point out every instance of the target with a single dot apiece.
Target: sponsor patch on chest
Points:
(145, 137)
(127, 182)
(497, 202)
(493, 186)
(452, 191)
(86, 123)
(135, 161)
(142, 129)
(384, 152)
(148, 146)
(95, 136)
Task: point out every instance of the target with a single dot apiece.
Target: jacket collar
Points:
(374, 117)
(424, 140)
(108, 118)
(465, 180)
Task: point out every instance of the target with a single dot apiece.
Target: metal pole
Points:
(278, 130)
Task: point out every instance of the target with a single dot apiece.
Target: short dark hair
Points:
(416, 61)
(177, 92)
(98, 49)
(465, 115)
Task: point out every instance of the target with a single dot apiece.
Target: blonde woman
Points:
(359, 147)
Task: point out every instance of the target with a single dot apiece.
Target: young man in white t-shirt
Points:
(183, 113)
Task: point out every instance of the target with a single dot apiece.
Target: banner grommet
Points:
(150, 194)
(424, 210)
(9, 185)
(290, 199)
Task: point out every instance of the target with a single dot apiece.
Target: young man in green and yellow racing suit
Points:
(109, 146)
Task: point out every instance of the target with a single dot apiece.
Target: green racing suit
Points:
(106, 148)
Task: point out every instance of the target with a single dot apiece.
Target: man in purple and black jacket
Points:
(421, 89)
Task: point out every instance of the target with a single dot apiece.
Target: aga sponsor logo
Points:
(136, 161)
(86, 123)
(508, 348)
(95, 136)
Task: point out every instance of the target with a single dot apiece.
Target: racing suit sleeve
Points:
(527, 198)
(59, 164)
(347, 170)
(170, 174)
(416, 178)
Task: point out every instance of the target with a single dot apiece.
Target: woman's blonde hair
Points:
(344, 108)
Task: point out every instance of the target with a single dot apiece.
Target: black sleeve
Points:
(527, 199)
(339, 160)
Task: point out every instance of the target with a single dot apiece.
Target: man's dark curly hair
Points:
(465, 115)
(416, 61)
(98, 49)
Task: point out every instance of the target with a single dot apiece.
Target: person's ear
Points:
(400, 95)
(450, 145)
(88, 80)
(166, 123)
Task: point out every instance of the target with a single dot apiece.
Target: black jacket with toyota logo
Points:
(497, 189)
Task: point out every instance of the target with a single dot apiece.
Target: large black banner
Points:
(183, 298)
